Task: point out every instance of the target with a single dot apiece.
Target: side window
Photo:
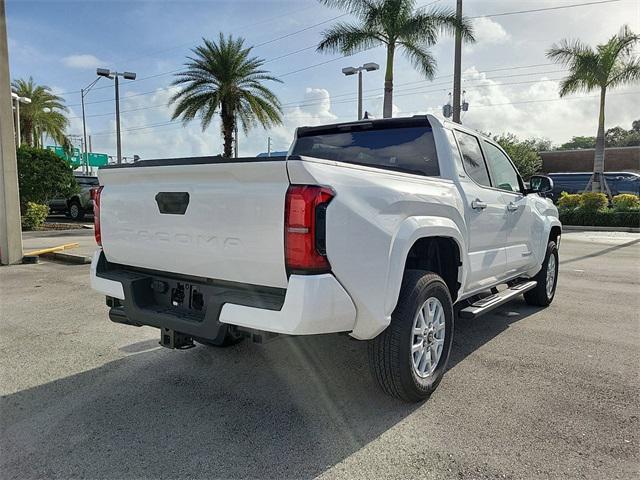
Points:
(503, 173)
(455, 151)
(472, 158)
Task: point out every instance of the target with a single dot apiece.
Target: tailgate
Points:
(232, 227)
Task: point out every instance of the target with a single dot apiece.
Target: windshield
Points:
(406, 149)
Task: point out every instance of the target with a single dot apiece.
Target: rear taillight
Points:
(95, 195)
(304, 224)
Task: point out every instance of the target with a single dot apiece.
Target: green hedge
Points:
(591, 209)
(600, 218)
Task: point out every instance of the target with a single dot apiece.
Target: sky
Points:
(509, 83)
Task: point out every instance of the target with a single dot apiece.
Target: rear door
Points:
(215, 220)
(519, 216)
(485, 216)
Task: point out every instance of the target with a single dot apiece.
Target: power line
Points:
(170, 122)
(533, 10)
(407, 113)
(301, 102)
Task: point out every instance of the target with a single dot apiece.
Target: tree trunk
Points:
(597, 180)
(228, 124)
(387, 109)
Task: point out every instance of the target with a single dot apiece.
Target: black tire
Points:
(226, 338)
(76, 212)
(390, 357)
(539, 295)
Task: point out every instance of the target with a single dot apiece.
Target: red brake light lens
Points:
(305, 207)
(95, 194)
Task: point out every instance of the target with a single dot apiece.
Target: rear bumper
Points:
(311, 304)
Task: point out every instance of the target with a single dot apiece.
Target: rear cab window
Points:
(389, 145)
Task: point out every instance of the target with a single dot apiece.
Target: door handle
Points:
(512, 207)
(478, 204)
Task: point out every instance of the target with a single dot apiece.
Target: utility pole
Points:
(457, 66)
(268, 146)
(10, 228)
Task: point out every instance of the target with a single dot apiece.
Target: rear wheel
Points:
(410, 357)
(76, 212)
(547, 279)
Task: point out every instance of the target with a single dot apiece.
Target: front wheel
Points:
(410, 357)
(547, 278)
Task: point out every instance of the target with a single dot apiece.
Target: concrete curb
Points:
(576, 228)
(71, 258)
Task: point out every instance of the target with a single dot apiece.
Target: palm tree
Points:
(223, 78)
(393, 23)
(609, 65)
(45, 115)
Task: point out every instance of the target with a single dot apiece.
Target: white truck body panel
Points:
(233, 230)
(233, 226)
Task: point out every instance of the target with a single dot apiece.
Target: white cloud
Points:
(83, 61)
(176, 140)
(314, 109)
(536, 110)
(487, 32)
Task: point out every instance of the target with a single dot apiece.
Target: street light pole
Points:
(368, 67)
(112, 75)
(457, 66)
(359, 94)
(118, 140)
(19, 100)
(18, 132)
(83, 93)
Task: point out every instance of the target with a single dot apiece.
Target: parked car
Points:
(77, 206)
(576, 182)
(379, 228)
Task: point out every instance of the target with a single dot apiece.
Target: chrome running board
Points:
(487, 304)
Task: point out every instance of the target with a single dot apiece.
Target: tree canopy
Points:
(224, 78)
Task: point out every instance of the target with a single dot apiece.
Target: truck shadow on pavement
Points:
(292, 408)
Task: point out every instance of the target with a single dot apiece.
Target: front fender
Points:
(410, 231)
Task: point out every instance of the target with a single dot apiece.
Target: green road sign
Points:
(76, 159)
(98, 159)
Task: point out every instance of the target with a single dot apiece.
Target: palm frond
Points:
(420, 58)
(349, 39)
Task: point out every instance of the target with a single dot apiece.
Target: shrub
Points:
(625, 202)
(600, 218)
(43, 176)
(569, 200)
(593, 201)
(34, 216)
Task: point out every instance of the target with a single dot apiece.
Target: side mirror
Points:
(540, 184)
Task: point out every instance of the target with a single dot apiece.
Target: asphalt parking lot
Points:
(530, 393)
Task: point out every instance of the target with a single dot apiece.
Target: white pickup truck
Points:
(383, 229)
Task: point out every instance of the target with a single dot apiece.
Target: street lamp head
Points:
(371, 66)
(103, 72)
(24, 100)
(129, 75)
(349, 70)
